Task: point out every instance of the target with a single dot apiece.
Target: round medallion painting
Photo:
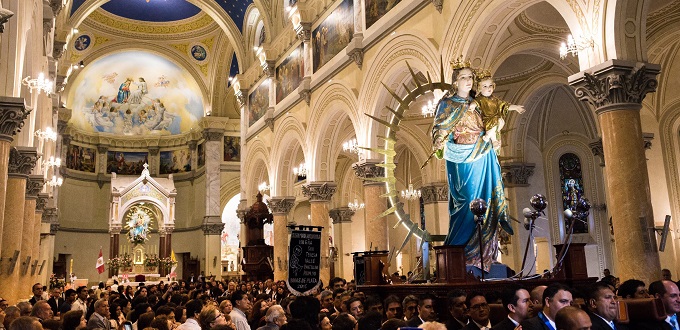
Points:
(82, 42)
(198, 52)
(134, 93)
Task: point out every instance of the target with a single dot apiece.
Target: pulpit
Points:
(574, 262)
(370, 267)
(257, 256)
(450, 263)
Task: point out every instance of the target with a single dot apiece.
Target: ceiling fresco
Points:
(134, 93)
(168, 10)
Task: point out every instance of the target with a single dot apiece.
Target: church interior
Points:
(147, 129)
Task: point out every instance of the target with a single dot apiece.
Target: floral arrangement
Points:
(167, 263)
(124, 261)
(56, 282)
(151, 261)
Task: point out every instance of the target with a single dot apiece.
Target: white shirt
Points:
(513, 321)
(483, 327)
(239, 319)
(79, 305)
(189, 324)
(668, 320)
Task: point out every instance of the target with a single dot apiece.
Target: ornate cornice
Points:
(34, 186)
(357, 55)
(281, 205)
(13, 111)
(435, 192)
(438, 4)
(195, 26)
(319, 191)
(54, 228)
(530, 26)
(50, 215)
(367, 170)
(269, 68)
(270, 123)
(22, 160)
(115, 229)
(212, 228)
(341, 215)
(193, 145)
(241, 214)
(242, 97)
(304, 31)
(56, 6)
(647, 140)
(41, 202)
(597, 149)
(615, 84)
(517, 174)
(57, 52)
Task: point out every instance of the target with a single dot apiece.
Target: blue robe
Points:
(473, 171)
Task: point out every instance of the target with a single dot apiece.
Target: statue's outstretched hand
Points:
(519, 108)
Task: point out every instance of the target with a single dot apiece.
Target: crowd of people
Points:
(209, 304)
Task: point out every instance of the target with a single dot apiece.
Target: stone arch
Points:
(212, 8)
(264, 16)
(289, 135)
(669, 141)
(153, 49)
(624, 30)
(461, 35)
(229, 189)
(335, 104)
(258, 160)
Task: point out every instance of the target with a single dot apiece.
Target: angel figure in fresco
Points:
(165, 118)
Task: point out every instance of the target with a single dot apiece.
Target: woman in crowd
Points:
(210, 317)
(73, 320)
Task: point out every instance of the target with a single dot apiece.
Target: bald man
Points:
(572, 318)
(536, 300)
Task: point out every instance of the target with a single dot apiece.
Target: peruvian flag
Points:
(100, 262)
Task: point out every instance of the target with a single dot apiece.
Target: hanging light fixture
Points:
(263, 187)
(575, 44)
(300, 171)
(355, 206)
(40, 84)
(410, 193)
(351, 146)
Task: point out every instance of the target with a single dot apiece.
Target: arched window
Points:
(571, 180)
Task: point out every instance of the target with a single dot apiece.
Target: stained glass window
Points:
(571, 180)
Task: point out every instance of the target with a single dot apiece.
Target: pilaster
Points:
(517, 174)
(320, 194)
(280, 207)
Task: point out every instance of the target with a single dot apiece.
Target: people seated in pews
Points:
(425, 311)
(410, 307)
(517, 303)
(633, 289)
(555, 297)
(392, 306)
(478, 311)
(572, 318)
(602, 308)
(536, 299)
(458, 318)
(669, 294)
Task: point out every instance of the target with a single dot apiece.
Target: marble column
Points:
(319, 194)
(33, 186)
(114, 245)
(342, 222)
(40, 204)
(280, 207)
(212, 221)
(516, 177)
(436, 203)
(376, 229)
(13, 111)
(161, 249)
(49, 228)
(616, 89)
(21, 163)
(241, 214)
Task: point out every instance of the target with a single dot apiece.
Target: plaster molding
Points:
(436, 192)
(13, 112)
(517, 174)
(22, 160)
(281, 205)
(341, 215)
(320, 191)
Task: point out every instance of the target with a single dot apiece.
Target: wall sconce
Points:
(41, 84)
(355, 206)
(52, 162)
(576, 44)
(47, 134)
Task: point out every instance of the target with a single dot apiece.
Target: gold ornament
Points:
(460, 63)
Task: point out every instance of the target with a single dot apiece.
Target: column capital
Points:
(241, 214)
(435, 192)
(517, 174)
(50, 215)
(34, 185)
(213, 134)
(115, 229)
(616, 84)
(13, 111)
(212, 228)
(304, 31)
(597, 149)
(319, 191)
(281, 205)
(5, 15)
(54, 228)
(102, 148)
(153, 151)
(269, 68)
(43, 198)
(22, 160)
(341, 214)
(367, 169)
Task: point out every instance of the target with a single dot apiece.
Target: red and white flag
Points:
(100, 262)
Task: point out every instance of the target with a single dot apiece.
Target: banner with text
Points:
(304, 260)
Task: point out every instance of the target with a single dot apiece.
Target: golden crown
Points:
(459, 63)
(483, 74)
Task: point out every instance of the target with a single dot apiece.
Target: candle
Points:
(70, 271)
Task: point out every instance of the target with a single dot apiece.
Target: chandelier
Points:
(429, 109)
(300, 171)
(263, 187)
(55, 182)
(41, 84)
(355, 206)
(52, 162)
(410, 193)
(574, 45)
(47, 134)
(351, 146)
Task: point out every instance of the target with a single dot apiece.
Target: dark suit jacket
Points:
(533, 323)
(452, 324)
(55, 304)
(506, 324)
(600, 324)
(471, 326)
(651, 325)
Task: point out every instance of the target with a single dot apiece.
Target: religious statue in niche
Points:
(138, 222)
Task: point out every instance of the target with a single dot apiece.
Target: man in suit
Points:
(458, 317)
(426, 311)
(602, 308)
(55, 300)
(517, 302)
(555, 297)
(572, 318)
(100, 317)
(669, 294)
(478, 311)
(37, 293)
(537, 300)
